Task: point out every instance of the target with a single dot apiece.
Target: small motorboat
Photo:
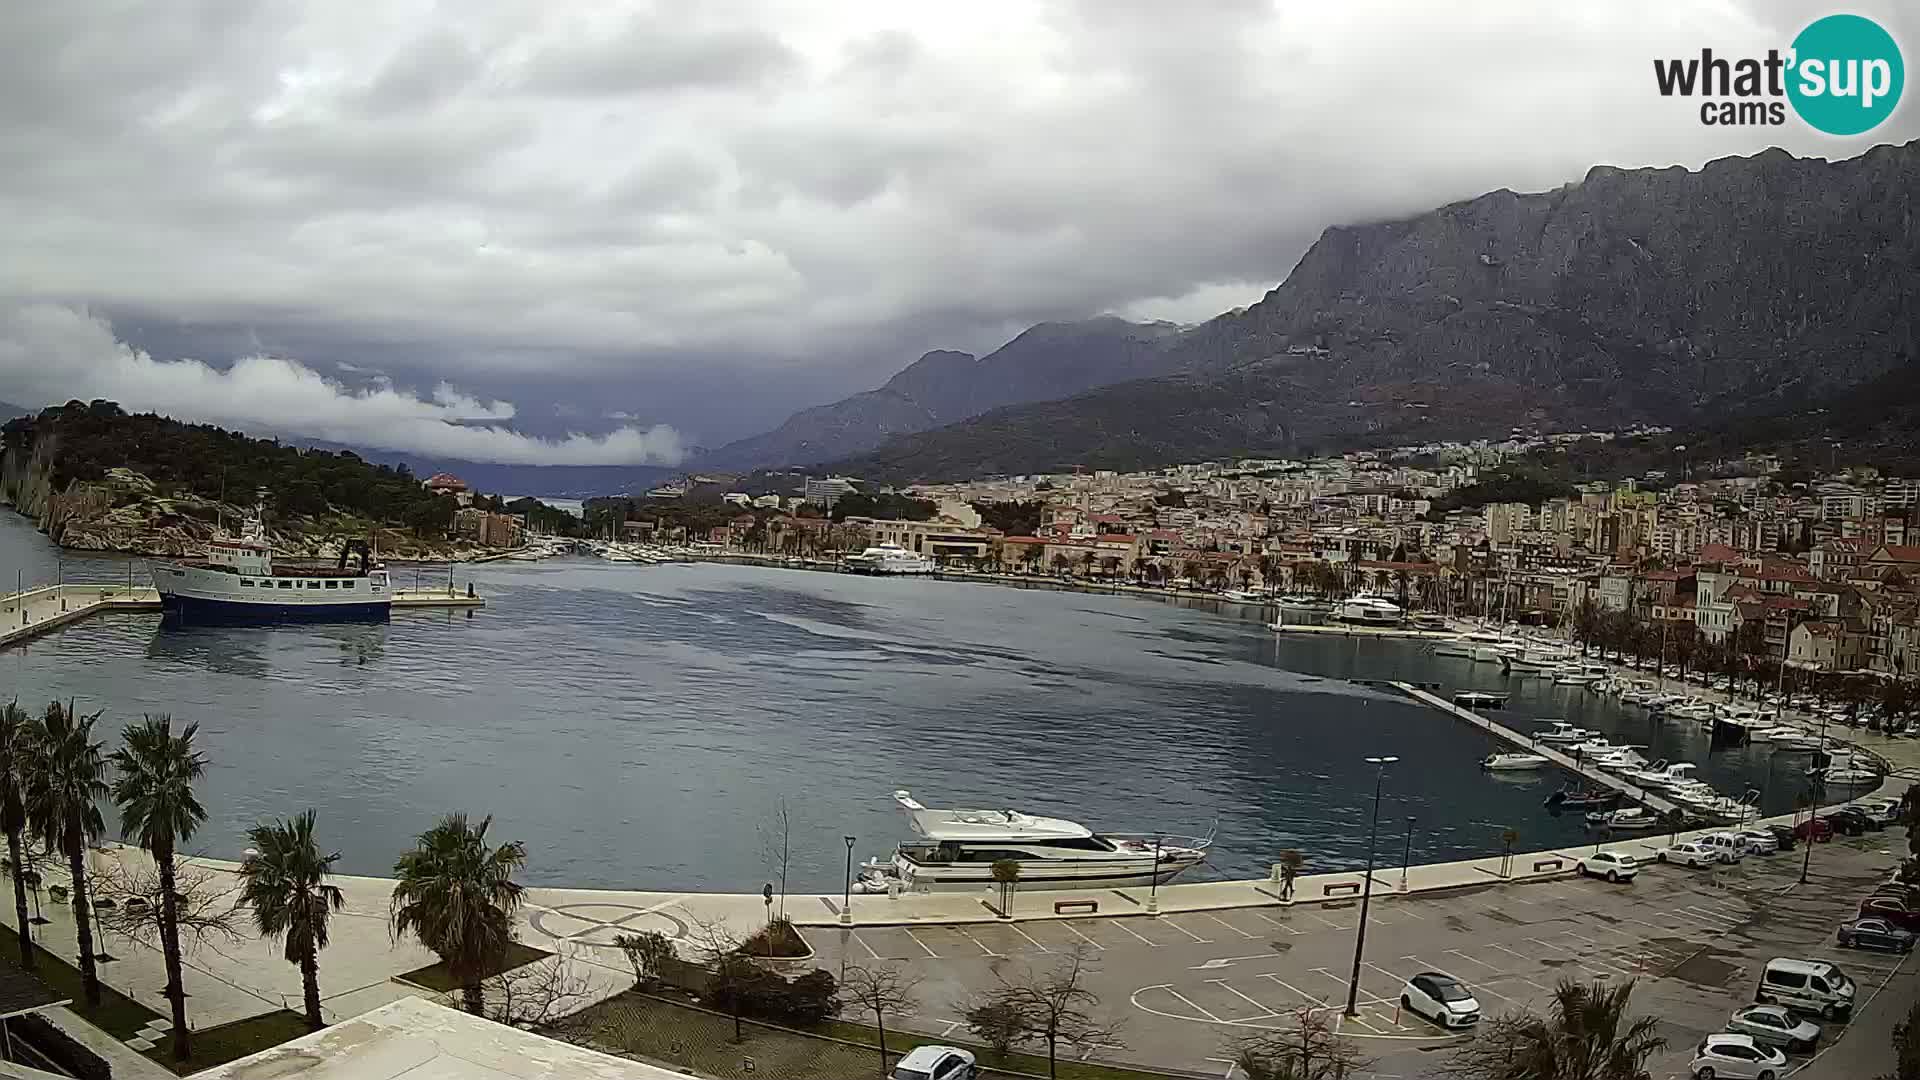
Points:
(1631, 818)
(1563, 732)
(1513, 762)
(1582, 799)
(1479, 699)
(1787, 741)
(1848, 776)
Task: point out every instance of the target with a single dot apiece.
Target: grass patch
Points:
(118, 1015)
(435, 976)
(664, 1032)
(229, 1042)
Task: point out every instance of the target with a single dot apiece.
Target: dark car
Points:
(1845, 824)
(1816, 828)
(1786, 837)
(1893, 909)
(1875, 933)
(1867, 822)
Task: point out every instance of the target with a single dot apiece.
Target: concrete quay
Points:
(27, 615)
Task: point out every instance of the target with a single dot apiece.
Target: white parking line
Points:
(863, 944)
(1029, 937)
(961, 930)
(1198, 940)
(1471, 960)
(1192, 1006)
(1301, 994)
(1083, 937)
(922, 944)
(1277, 922)
(1120, 925)
(1509, 952)
(1266, 1011)
(1329, 922)
(1229, 926)
(1402, 909)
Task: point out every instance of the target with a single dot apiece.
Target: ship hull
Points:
(206, 610)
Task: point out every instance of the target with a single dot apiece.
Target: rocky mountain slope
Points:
(1652, 294)
(1051, 360)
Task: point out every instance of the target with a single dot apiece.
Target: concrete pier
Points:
(29, 614)
(1524, 742)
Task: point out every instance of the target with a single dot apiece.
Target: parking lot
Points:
(1185, 984)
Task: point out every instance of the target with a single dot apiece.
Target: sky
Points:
(601, 234)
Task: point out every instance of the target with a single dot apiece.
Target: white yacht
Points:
(1514, 762)
(1678, 774)
(237, 581)
(1371, 610)
(1563, 732)
(1463, 646)
(1792, 740)
(1244, 596)
(1632, 817)
(889, 559)
(958, 848)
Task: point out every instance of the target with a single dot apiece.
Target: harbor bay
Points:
(639, 726)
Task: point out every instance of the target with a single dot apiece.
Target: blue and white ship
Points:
(237, 581)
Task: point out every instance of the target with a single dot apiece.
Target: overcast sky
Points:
(657, 225)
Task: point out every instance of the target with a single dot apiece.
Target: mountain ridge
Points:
(1046, 361)
(1655, 295)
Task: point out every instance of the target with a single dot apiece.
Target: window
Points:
(313, 584)
(286, 584)
(1793, 980)
(1820, 984)
(332, 584)
(246, 583)
(346, 584)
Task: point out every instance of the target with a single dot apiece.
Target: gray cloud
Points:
(627, 202)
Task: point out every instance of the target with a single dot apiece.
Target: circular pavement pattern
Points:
(599, 924)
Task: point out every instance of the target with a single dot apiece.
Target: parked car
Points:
(1818, 829)
(1612, 865)
(1866, 821)
(1729, 846)
(1846, 824)
(1735, 1057)
(1688, 853)
(1809, 986)
(1775, 1026)
(1784, 835)
(1759, 841)
(1886, 810)
(1874, 932)
(1894, 909)
(935, 1063)
(1440, 998)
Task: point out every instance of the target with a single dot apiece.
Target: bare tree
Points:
(880, 991)
(1308, 1049)
(997, 1024)
(730, 973)
(1054, 1006)
(535, 997)
(648, 951)
(1006, 877)
(128, 899)
(776, 834)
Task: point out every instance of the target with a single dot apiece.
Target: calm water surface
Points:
(637, 726)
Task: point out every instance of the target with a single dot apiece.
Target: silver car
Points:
(1774, 1025)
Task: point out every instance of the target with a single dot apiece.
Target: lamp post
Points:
(1813, 810)
(1366, 889)
(1153, 880)
(846, 897)
(1406, 858)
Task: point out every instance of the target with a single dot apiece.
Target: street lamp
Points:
(1366, 889)
(1806, 857)
(1153, 880)
(1406, 859)
(846, 897)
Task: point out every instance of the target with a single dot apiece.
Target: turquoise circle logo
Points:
(1847, 74)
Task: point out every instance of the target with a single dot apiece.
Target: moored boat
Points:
(1514, 762)
(238, 582)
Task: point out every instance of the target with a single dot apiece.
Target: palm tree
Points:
(285, 884)
(1586, 1035)
(457, 896)
(16, 749)
(64, 785)
(158, 811)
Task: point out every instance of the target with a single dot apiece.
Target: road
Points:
(1184, 986)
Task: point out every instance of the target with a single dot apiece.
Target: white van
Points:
(1808, 986)
(1731, 847)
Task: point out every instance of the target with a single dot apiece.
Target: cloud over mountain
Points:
(51, 353)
